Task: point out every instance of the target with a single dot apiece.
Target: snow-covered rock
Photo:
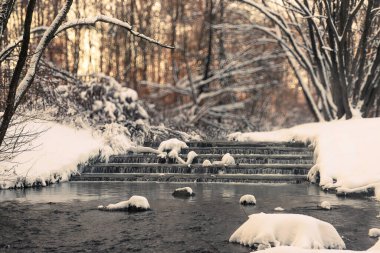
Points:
(374, 232)
(273, 230)
(183, 192)
(247, 200)
(279, 209)
(134, 204)
(172, 144)
(346, 152)
(325, 205)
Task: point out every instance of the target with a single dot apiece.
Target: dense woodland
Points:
(237, 65)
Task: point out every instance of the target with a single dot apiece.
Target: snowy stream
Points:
(64, 218)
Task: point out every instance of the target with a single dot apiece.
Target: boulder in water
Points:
(183, 192)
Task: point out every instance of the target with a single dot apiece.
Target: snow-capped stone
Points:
(247, 199)
(134, 204)
(279, 209)
(172, 144)
(206, 163)
(190, 157)
(183, 192)
(273, 230)
(325, 205)
(374, 232)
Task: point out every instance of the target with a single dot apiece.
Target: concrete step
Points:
(296, 169)
(224, 178)
(239, 158)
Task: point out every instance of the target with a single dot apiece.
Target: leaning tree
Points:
(29, 56)
(333, 47)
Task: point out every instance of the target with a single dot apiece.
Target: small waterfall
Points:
(268, 162)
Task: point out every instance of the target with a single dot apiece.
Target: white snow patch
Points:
(247, 200)
(172, 144)
(206, 163)
(289, 249)
(135, 203)
(97, 105)
(374, 232)
(279, 209)
(346, 152)
(227, 159)
(190, 157)
(273, 230)
(325, 205)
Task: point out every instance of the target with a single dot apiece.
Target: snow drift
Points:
(273, 230)
(346, 152)
(54, 154)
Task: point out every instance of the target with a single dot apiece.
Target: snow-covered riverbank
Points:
(346, 152)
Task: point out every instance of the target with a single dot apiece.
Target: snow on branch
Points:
(90, 21)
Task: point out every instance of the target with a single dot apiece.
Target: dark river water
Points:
(64, 218)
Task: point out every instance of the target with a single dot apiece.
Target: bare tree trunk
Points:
(11, 99)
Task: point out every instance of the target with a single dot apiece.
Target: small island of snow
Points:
(134, 204)
(272, 230)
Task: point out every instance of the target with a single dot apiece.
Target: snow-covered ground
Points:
(346, 152)
(55, 152)
(272, 230)
(52, 157)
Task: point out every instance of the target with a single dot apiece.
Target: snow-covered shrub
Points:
(247, 199)
(272, 230)
(134, 204)
(183, 192)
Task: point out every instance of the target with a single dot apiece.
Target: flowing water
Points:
(64, 218)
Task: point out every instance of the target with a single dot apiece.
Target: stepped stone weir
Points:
(255, 162)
